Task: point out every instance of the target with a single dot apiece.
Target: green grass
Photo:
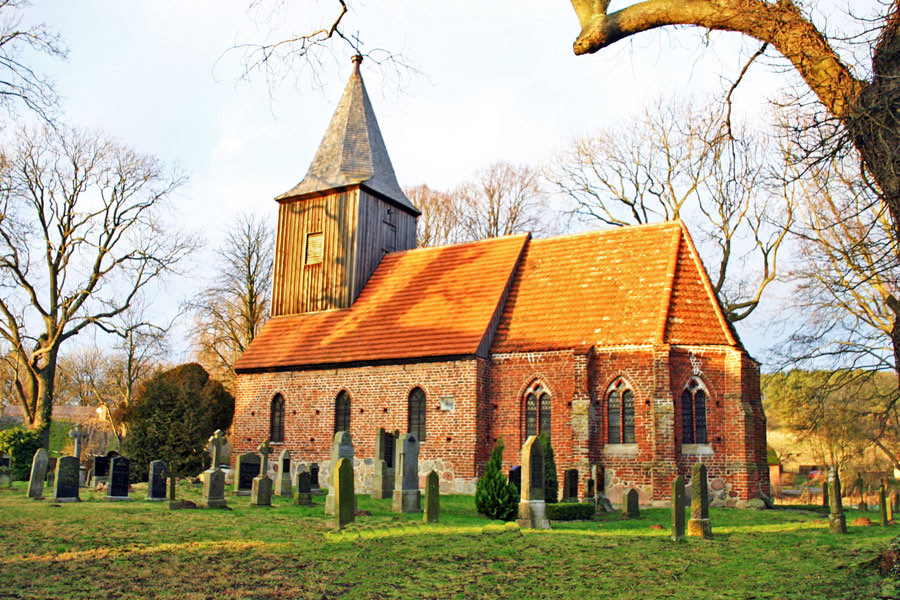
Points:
(96, 549)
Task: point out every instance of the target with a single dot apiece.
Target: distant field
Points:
(143, 550)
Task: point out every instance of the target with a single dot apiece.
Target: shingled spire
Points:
(352, 152)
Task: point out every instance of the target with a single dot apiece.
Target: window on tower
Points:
(315, 247)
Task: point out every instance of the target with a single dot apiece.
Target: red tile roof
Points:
(418, 303)
(610, 288)
(623, 286)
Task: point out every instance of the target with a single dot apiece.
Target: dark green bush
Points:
(172, 417)
(21, 445)
(570, 511)
(495, 496)
(551, 483)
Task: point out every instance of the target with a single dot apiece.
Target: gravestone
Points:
(344, 494)
(213, 495)
(570, 485)
(532, 509)
(283, 475)
(407, 498)
(314, 479)
(51, 470)
(432, 497)
(678, 509)
(5, 461)
(38, 475)
(590, 494)
(699, 525)
(156, 482)
(515, 477)
(895, 500)
(837, 522)
(261, 490)
(631, 506)
(66, 489)
(825, 502)
(341, 447)
(882, 503)
(248, 465)
(79, 434)
(383, 482)
(101, 470)
(303, 495)
(119, 479)
(5, 477)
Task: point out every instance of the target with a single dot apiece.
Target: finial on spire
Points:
(357, 58)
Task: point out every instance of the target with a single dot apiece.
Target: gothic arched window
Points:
(417, 414)
(537, 411)
(342, 412)
(276, 419)
(693, 413)
(620, 413)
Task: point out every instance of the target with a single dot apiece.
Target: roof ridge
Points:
(460, 244)
(609, 230)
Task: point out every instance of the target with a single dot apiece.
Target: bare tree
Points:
(81, 237)
(680, 160)
(502, 199)
(233, 309)
(438, 224)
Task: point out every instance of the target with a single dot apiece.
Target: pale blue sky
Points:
(496, 83)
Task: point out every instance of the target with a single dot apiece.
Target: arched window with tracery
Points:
(342, 412)
(537, 411)
(620, 413)
(417, 414)
(276, 419)
(693, 413)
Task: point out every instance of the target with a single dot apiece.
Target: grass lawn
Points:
(139, 549)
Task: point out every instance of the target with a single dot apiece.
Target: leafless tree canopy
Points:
(438, 225)
(81, 238)
(233, 309)
(681, 160)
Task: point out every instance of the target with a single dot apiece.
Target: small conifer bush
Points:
(551, 483)
(495, 496)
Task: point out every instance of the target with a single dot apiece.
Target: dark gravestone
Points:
(156, 483)
(5, 461)
(67, 475)
(570, 485)
(432, 497)
(119, 479)
(591, 491)
(536, 474)
(383, 481)
(678, 509)
(515, 477)
(248, 467)
(314, 487)
(303, 495)
(101, 470)
(631, 509)
(51, 470)
(407, 498)
(343, 492)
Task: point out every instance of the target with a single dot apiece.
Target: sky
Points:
(490, 82)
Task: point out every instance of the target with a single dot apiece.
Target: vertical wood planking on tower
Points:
(382, 228)
(301, 287)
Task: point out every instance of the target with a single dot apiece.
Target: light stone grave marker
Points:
(432, 498)
(79, 435)
(283, 485)
(532, 509)
(38, 475)
(699, 525)
(261, 491)
(837, 522)
(407, 498)
(341, 447)
(213, 495)
(66, 480)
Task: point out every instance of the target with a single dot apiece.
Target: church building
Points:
(612, 341)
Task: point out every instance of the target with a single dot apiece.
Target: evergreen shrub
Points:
(495, 496)
(21, 445)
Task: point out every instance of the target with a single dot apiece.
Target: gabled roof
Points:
(430, 302)
(624, 286)
(352, 151)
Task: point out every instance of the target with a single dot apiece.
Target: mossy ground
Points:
(140, 549)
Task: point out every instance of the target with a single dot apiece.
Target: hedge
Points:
(570, 511)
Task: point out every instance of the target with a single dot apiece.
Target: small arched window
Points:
(537, 411)
(693, 413)
(417, 414)
(620, 413)
(342, 412)
(276, 419)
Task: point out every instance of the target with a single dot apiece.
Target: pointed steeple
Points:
(352, 151)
